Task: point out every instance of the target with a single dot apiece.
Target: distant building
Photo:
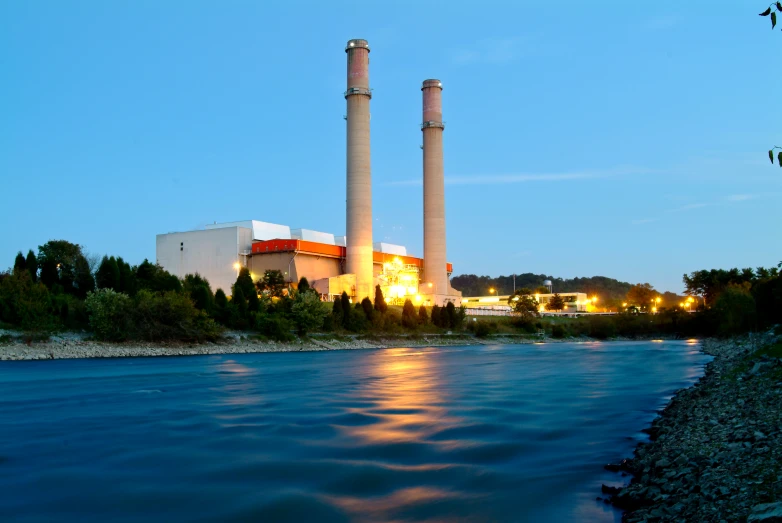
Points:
(574, 302)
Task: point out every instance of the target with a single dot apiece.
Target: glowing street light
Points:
(237, 266)
(492, 290)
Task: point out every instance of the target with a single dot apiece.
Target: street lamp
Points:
(492, 290)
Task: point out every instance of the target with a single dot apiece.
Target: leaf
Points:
(779, 6)
(771, 155)
(773, 20)
(779, 158)
(766, 12)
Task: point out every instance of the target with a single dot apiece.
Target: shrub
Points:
(423, 317)
(109, 314)
(26, 304)
(366, 304)
(171, 315)
(558, 331)
(601, 328)
(482, 328)
(735, 311)
(408, 315)
(308, 312)
(274, 326)
(380, 302)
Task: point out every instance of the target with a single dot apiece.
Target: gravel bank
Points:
(716, 451)
(72, 345)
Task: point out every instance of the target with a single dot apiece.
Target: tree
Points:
(32, 265)
(641, 295)
(541, 290)
(245, 282)
(524, 304)
(408, 315)
(735, 310)
(200, 292)
(239, 303)
(380, 301)
(308, 312)
(20, 263)
(336, 311)
(108, 276)
(272, 283)
(155, 278)
(221, 306)
(253, 303)
(65, 265)
(127, 278)
(345, 304)
(304, 285)
(423, 318)
(436, 316)
(454, 319)
(366, 304)
(556, 303)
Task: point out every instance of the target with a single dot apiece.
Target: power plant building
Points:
(352, 263)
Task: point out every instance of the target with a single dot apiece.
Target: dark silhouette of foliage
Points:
(20, 263)
(108, 275)
(556, 303)
(366, 304)
(245, 282)
(304, 285)
(437, 316)
(32, 265)
(345, 303)
(272, 283)
(423, 317)
(380, 301)
(409, 319)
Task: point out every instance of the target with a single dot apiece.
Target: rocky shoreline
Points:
(71, 345)
(715, 453)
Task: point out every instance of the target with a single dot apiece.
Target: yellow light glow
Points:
(681, 305)
(515, 298)
(594, 299)
(430, 284)
(624, 304)
(417, 297)
(237, 266)
(690, 299)
(658, 299)
(491, 291)
(654, 309)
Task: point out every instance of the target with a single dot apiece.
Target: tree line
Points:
(57, 288)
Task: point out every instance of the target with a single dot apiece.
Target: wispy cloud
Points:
(741, 197)
(499, 179)
(491, 51)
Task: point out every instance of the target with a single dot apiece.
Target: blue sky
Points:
(621, 139)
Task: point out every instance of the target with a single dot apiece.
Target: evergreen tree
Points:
(108, 275)
(556, 303)
(20, 263)
(304, 285)
(408, 314)
(345, 302)
(125, 278)
(239, 302)
(244, 282)
(32, 265)
(253, 303)
(380, 302)
(436, 316)
(336, 311)
(221, 307)
(366, 304)
(451, 315)
(423, 318)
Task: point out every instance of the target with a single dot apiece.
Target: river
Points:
(488, 433)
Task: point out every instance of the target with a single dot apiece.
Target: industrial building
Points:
(332, 264)
(220, 250)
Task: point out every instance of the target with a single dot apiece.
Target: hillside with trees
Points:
(605, 288)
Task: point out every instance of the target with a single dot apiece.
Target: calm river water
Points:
(492, 433)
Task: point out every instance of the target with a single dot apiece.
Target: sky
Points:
(612, 138)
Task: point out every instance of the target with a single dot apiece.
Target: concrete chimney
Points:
(359, 172)
(435, 272)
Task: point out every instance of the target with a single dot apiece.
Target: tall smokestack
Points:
(435, 272)
(359, 173)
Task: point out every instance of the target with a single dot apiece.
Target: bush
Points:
(109, 314)
(601, 328)
(171, 315)
(735, 311)
(26, 304)
(483, 328)
(274, 326)
(308, 312)
(558, 331)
